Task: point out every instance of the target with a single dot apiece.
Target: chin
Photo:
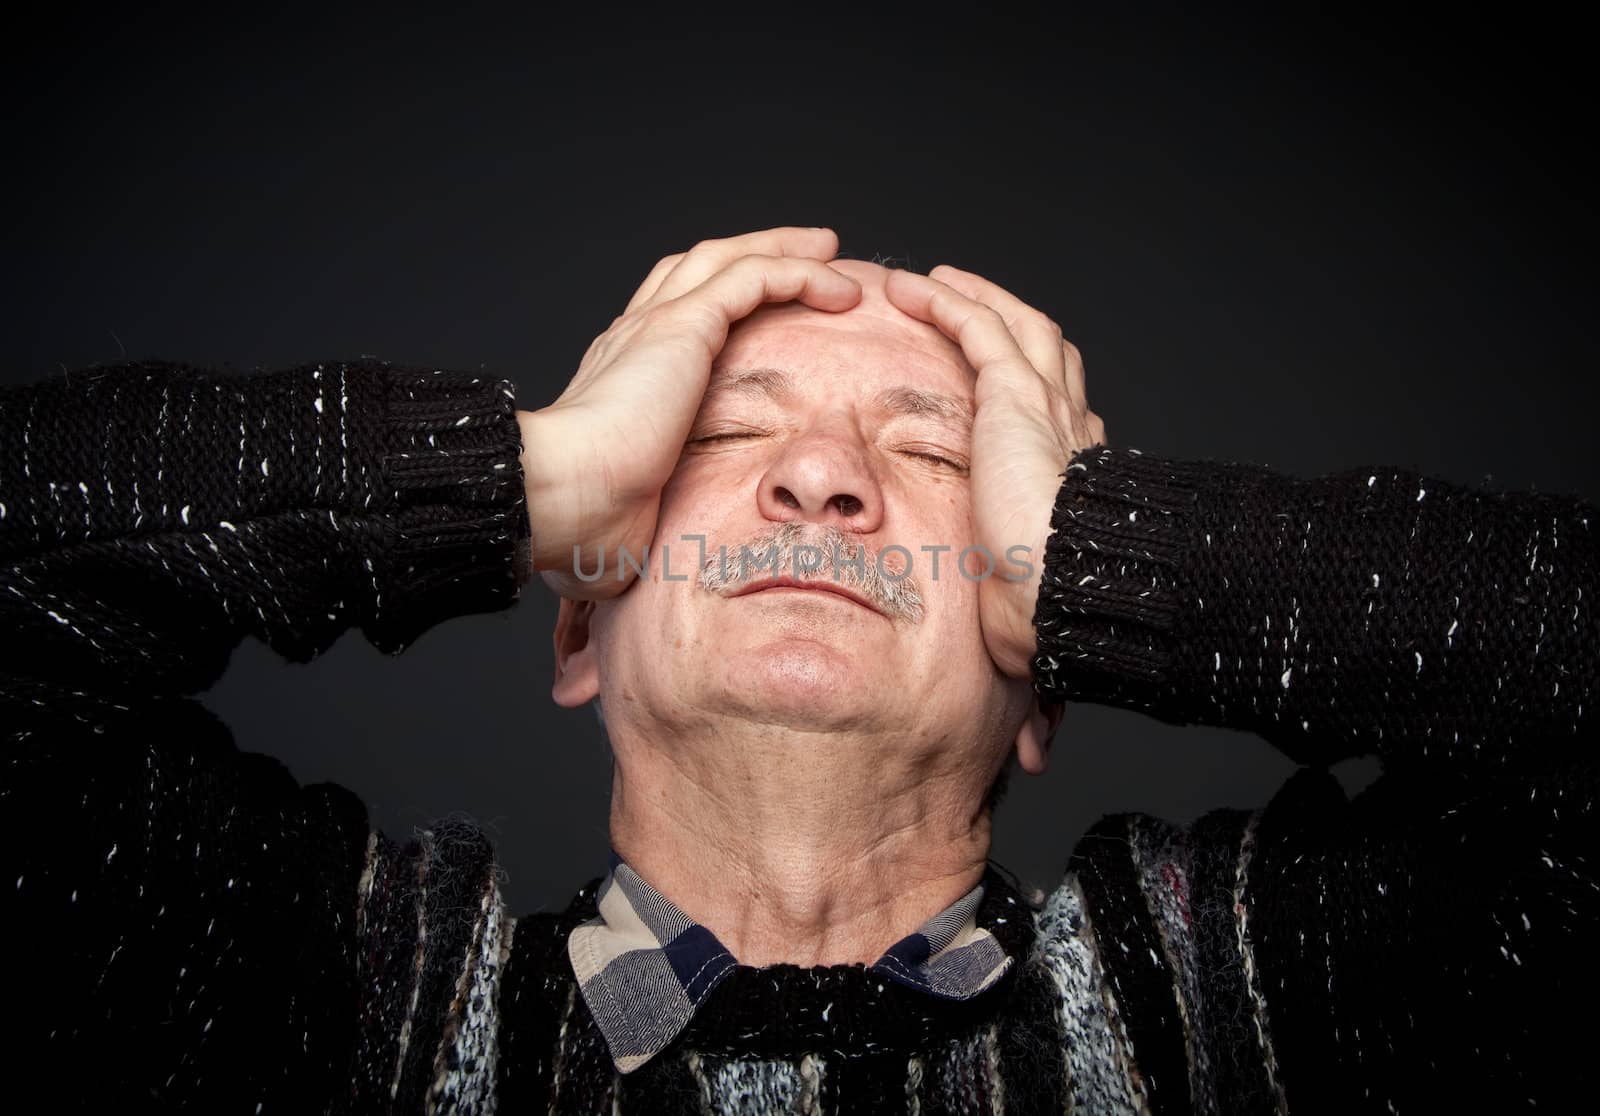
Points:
(803, 683)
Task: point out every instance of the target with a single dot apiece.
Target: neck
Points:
(801, 848)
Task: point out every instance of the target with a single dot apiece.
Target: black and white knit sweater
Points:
(191, 928)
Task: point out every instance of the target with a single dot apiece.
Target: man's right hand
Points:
(595, 461)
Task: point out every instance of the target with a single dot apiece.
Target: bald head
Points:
(876, 321)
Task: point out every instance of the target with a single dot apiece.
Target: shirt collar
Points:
(644, 967)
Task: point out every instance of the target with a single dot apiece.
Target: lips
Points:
(817, 585)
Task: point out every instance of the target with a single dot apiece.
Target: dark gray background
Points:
(1312, 245)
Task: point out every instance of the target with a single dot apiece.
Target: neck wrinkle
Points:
(801, 863)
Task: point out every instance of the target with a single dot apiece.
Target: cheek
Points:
(702, 490)
(959, 618)
(939, 505)
(633, 637)
(937, 532)
(687, 522)
(958, 639)
(678, 493)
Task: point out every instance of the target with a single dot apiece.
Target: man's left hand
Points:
(1031, 417)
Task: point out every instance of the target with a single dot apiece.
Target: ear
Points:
(1035, 734)
(577, 668)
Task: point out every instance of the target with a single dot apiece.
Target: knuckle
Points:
(988, 316)
(694, 314)
(1037, 328)
(752, 267)
(707, 248)
(663, 315)
(758, 261)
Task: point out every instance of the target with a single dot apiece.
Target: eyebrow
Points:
(767, 383)
(778, 385)
(916, 401)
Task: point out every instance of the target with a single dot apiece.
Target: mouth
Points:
(815, 585)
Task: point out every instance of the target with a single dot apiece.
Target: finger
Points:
(1037, 335)
(1072, 363)
(710, 256)
(652, 282)
(1097, 429)
(753, 281)
(988, 343)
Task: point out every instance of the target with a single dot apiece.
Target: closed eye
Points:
(936, 459)
(709, 442)
(728, 437)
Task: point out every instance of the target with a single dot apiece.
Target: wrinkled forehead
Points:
(871, 342)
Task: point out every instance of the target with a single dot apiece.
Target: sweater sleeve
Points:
(1410, 949)
(151, 516)
(1373, 611)
(198, 929)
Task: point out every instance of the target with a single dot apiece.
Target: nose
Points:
(823, 475)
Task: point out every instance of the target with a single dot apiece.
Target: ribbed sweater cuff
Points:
(458, 532)
(1109, 596)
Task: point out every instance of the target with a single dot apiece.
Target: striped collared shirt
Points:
(644, 966)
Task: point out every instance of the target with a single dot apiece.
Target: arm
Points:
(209, 932)
(1372, 611)
(1415, 943)
(154, 515)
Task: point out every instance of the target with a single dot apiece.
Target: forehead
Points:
(875, 344)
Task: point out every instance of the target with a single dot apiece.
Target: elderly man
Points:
(835, 543)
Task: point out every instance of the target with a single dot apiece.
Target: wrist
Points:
(1024, 571)
(539, 449)
(1114, 576)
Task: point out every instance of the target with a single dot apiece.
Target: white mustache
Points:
(818, 546)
